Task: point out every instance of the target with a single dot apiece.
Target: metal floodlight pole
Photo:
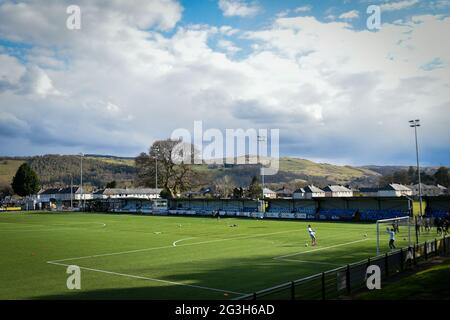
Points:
(81, 181)
(156, 151)
(261, 139)
(71, 192)
(414, 124)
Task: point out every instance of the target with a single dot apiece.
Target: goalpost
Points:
(396, 224)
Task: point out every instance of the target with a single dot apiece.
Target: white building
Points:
(337, 191)
(270, 194)
(395, 190)
(308, 192)
(134, 193)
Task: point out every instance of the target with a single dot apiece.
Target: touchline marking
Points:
(171, 246)
(58, 227)
(149, 279)
(320, 249)
(175, 242)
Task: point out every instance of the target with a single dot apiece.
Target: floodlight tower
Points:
(81, 181)
(414, 124)
(156, 151)
(261, 139)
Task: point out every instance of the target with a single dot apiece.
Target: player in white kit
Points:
(312, 234)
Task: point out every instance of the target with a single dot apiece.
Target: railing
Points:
(344, 280)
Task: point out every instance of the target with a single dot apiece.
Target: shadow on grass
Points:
(234, 276)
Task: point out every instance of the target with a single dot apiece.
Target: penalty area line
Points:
(149, 279)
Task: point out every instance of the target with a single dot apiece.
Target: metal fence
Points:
(344, 280)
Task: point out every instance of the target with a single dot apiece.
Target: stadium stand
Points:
(337, 214)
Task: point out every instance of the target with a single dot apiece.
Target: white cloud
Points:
(303, 9)
(228, 46)
(350, 15)
(399, 5)
(231, 8)
(228, 30)
(36, 82)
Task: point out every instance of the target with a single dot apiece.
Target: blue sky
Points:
(136, 71)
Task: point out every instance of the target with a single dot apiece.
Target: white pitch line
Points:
(175, 242)
(58, 227)
(320, 249)
(171, 246)
(149, 279)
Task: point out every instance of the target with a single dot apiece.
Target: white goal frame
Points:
(408, 218)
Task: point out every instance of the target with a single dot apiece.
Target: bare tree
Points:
(164, 165)
(224, 186)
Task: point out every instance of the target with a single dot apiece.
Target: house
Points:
(135, 193)
(395, 190)
(308, 192)
(62, 194)
(47, 195)
(61, 197)
(428, 190)
(284, 193)
(269, 193)
(299, 194)
(337, 191)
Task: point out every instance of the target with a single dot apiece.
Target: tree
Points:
(442, 176)
(401, 177)
(254, 189)
(224, 186)
(412, 174)
(175, 173)
(26, 181)
(112, 184)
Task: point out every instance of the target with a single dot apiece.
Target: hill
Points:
(8, 168)
(55, 170)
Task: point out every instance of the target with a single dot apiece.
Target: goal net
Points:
(399, 229)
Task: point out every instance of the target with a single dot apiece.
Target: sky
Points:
(338, 91)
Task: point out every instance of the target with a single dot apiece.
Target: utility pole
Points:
(262, 139)
(414, 124)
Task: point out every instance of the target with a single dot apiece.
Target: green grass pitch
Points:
(161, 257)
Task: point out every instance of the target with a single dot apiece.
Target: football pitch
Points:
(166, 257)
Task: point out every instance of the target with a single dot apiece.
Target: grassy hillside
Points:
(112, 160)
(340, 174)
(56, 170)
(8, 168)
